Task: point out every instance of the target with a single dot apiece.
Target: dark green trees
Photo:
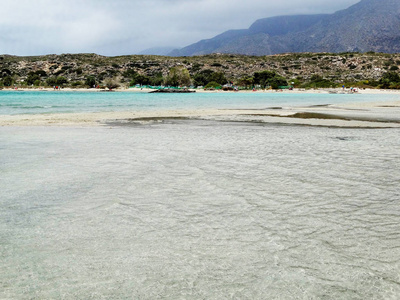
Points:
(269, 78)
(90, 81)
(8, 81)
(390, 80)
(206, 76)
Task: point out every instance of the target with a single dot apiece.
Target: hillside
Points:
(370, 25)
(75, 69)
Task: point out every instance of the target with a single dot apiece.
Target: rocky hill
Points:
(370, 25)
(75, 69)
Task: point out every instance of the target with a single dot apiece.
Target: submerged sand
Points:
(366, 115)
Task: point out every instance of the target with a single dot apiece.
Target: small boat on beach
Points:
(172, 91)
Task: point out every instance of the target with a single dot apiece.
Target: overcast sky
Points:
(118, 27)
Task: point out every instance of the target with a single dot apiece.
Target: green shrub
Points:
(61, 80)
(51, 81)
(76, 84)
(317, 81)
(139, 79)
(213, 85)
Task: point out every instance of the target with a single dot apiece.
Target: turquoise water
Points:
(196, 209)
(199, 210)
(36, 102)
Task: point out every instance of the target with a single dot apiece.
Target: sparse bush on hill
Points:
(317, 81)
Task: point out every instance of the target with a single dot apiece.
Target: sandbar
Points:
(353, 115)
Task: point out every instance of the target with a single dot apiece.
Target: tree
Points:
(269, 78)
(90, 81)
(246, 81)
(200, 79)
(317, 81)
(41, 73)
(5, 72)
(111, 84)
(263, 78)
(32, 77)
(204, 77)
(51, 81)
(277, 81)
(8, 81)
(61, 80)
(157, 79)
(130, 73)
(389, 80)
(178, 76)
(140, 79)
(219, 77)
(213, 85)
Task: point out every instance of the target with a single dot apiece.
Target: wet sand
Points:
(363, 115)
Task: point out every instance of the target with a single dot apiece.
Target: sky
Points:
(121, 27)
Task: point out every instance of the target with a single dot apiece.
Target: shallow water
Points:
(199, 210)
(46, 102)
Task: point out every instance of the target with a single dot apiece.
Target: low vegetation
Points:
(305, 70)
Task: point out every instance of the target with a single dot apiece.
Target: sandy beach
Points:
(294, 91)
(358, 114)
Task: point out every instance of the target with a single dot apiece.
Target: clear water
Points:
(199, 210)
(25, 102)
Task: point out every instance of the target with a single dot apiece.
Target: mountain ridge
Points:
(369, 25)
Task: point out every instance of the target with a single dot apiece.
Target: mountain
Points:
(157, 51)
(370, 25)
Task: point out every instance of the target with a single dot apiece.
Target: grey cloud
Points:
(126, 27)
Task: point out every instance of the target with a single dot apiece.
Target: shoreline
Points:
(147, 90)
(382, 114)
